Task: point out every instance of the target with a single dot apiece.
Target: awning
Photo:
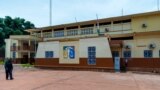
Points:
(116, 43)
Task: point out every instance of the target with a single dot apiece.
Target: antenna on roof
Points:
(97, 21)
(122, 18)
(158, 5)
(98, 29)
(50, 15)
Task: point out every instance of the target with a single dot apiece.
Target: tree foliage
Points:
(13, 26)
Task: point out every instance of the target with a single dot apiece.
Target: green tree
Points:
(17, 32)
(13, 26)
(28, 25)
(8, 21)
(2, 37)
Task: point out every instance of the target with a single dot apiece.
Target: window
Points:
(87, 31)
(14, 46)
(47, 35)
(72, 32)
(148, 53)
(14, 55)
(127, 54)
(91, 55)
(49, 54)
(59, 34)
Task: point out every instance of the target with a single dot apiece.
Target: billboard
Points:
(68, 52)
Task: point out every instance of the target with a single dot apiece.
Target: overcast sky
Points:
(65, 11)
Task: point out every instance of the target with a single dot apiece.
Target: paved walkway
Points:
(78, 80)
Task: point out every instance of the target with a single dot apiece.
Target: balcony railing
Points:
(24, 48)
(89, 31)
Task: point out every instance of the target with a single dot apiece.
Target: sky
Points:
(65, 11)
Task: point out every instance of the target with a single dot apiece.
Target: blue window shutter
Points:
(148, 53)
(91, 55)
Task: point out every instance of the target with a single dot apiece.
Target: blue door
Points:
(91, 55)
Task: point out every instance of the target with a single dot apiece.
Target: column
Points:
(65, 32)
(112, 25)
(41, 33)
(79, 30)
(52, 33)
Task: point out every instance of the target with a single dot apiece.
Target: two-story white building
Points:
(94, 43)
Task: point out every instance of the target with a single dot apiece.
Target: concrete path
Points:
(78, 80)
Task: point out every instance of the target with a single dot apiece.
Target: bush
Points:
(27, 65)
(1, 62)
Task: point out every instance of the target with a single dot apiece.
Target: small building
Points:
(94, 43)
(21, 48)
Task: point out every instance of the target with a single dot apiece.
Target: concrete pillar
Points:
(95, 29)
(29, 55)
(52, 33)
(41, 33)
(29, 43)
(112, 25)
(79, 30)
(65, 32)
(10, 48)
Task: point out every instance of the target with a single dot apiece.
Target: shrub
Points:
(27, 65)
(1, 62)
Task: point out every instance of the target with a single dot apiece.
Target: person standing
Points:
(8, 68)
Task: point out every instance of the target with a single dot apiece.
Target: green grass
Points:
(27, 65)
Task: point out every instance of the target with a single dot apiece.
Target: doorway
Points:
(24, 59)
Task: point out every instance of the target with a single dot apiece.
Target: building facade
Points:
(95, 43)
(21, 48)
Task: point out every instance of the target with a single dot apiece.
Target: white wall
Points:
(8, 48)
(141, 43)
(9, 43)
(47, 46)
(102, 47)
(81, 49)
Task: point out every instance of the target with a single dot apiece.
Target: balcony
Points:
(24, 48)
(47, 34)
(122, 27)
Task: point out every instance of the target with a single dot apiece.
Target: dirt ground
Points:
(78, 80)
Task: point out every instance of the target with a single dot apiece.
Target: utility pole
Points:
(50, 12)
(76, 19)
(158, 5)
